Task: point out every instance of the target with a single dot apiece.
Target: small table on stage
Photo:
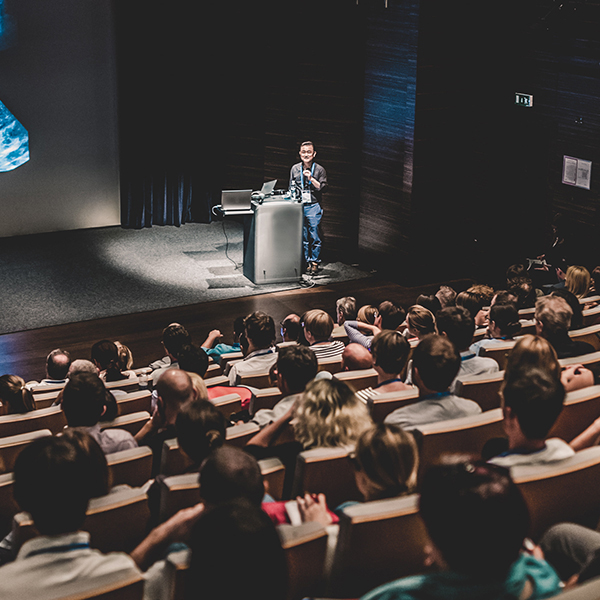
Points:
(272, 240)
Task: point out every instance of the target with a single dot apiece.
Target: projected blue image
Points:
(14, 141)
(7, 28)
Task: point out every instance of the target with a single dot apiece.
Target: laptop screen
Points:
(236, 199)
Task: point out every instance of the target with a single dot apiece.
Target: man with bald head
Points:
(174, 390)
(356, 357)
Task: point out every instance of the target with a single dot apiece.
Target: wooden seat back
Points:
(332, 365)
(132, 467)
(140, 401)
(459, 436)
(358, 380)
(227, 404)
(214, 381)
(10, 447)
(46, 399)
(131, 588)
(127, 385)
(588, 360)
(580, 410)
(265, 398)
(305, 548)
(378, 542)
(381, 405)
(591, 316)
(328, 471)
(590, 334)
(499, 352)
(562, 491)
(483, 389)
(240, 435)
(45, 418)
(132, 422)
(257, 380)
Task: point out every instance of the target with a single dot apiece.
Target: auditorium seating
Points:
(128, 589)
(126, 385)
(333, 365)
(240, 435)
(588, 360)
(590, 334)
(258, 380)
(358, 380)
(328, 471)
(45, 418)
(465, 436)
(132, 467)
(382, 405)
(214, 381)
(581, 409)
(8, 506)
(228, 404)
(46, 399)
(483, 389)
(591, 316)
(566, 490)
(265, 398)
(378, 542)
(132, 422)
(305, 548)
(135, 402)
(11, 446)
(499, 352)
(585, 591)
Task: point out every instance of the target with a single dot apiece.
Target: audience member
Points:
(84, 403)
(57, 367)
(575, 305)
(504, 297)
(577, 281)
(174, 390)
(524, 290)
(503, 325)
(260, 355)
(296, 366)
(15, 396)
(456, 323)
(390, 352)
(318, 326)
(367, 314)
(345, 309)
(552, 321)
(105, 355)
(356, 357)
(475, 304)
(291, 328)
(174, 336)
(419, 321)
(531, 404)
(435, 365)
(54, 481)
(81, 365)
(215, 349)
(430, 302)
(446, 295)
(125, 357)
(477, 522)
(193, 359)
(389, 316)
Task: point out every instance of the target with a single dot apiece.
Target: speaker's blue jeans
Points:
(310, 232)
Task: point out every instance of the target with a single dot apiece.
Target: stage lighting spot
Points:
(14, 141)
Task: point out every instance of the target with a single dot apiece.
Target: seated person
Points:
(532, 401)
(291, 328)
(214, 348)
(552, 321)
(54, 481)
(356, 358)
(386, 462)
(389, 316)
(456, 324)
(390, 352)
(14, 395)
(84, 403)
(295, 367)
(318, 326)
(57, 367)
(576, 307)
(419, 322)
(105, 355)
(435, 365)
(477, 521)
(475, 303)
(345, 309)
(260, 354)
(503, 325)
(174, 336)
(446, 295)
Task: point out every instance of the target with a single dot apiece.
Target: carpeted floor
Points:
(74, 276)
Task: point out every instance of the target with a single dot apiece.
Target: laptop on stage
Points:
(236, 200)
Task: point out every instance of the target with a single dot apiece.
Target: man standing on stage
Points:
(311, 178)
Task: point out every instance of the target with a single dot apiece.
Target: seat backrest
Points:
(214, 370)
(131, 588)
(116, 522)
(46, 399)
(588, 360)
(45, 418)
(8, 506)
(565, 490)
(132, 467)
(328, 471)
(483, 389)
(381, 405)
(466, 435)
(174, 460)
(591, 316)
(46, 388)
(590, 334)
(257, 380)
(305, 547)
(214, 381)
(333, 365)
(240, 435)
(227, 404)
(11, 446)
(358, 380)
(265, 398)
(127, 385)
(139, 401)
(132, 422)
(499, 352)
(229, 357)
(580, 410)
(273, 472)
(378, 542)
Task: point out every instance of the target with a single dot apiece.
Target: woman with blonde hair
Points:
(419, 321)
(367, 314)
(532, 351)
(16, 398)
(577, 280)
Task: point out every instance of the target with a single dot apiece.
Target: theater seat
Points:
(382, 405)
(265, 398)
(358, 380)
(227, 404)
(257, 380)
(332, 365)
(11, 446)
(131, 467)
(132, 422)
(378, 542)
(129, 589)
(127, 385)
(483, 389)
(45, 418)
(588, 360)
(590, 334)
(499, 352)
(135, 402)
(566, 490)
(580, 410)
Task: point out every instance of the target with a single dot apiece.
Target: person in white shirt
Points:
(457, 324)
(260, 354)
(532, 402)
(54, 481)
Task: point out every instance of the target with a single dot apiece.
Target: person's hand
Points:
(576, 377)
(213, 336)
(307, 173)
(314, 509)
(157, 420)
(179, 526)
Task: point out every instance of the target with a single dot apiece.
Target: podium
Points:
(273, 241)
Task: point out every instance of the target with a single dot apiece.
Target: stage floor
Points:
(74, 276)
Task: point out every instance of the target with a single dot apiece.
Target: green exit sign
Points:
(524, 100)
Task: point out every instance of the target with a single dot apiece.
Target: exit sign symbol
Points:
(524, 100)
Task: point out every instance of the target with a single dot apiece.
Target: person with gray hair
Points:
(345, 309)
(552, 321)
(81, 365)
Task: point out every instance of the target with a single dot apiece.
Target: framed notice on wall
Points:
(577, 172)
